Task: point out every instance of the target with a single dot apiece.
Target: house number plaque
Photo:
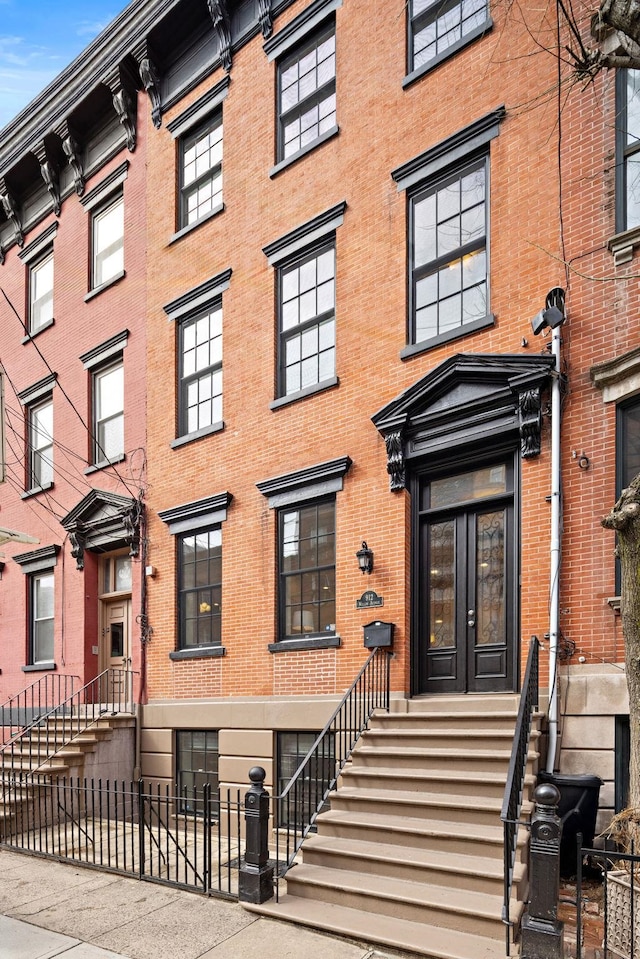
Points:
(368, 599)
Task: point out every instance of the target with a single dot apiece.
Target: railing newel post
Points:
(542, 931)
(256, 875)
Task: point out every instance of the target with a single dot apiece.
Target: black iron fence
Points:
(516, 776)
(306, 792)
(607, 904)
(134, 828)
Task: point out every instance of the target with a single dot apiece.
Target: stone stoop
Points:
(410, 853)
(32, 754)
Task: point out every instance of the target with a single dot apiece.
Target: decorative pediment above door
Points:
(101, 522)
(469, 398)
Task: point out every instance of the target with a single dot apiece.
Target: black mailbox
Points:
(378, 634)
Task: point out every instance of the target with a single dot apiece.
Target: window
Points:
(292, 749)
(628, 139)
(628, 443)
(108, 242)
(448, 255)
(201, 371)
(435, 28)
(108, 413)
(40, 445)
(307, 570)
(201, 171)
(200, 588)
(306, 297)
(196, 765)
(41, 632)
(41, 293)
(307, 93)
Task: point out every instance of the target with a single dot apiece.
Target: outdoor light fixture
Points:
(552, 315)
(365, 558)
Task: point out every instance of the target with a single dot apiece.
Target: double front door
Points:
(466, 581)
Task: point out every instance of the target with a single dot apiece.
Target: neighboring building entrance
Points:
(465, 616)
(115, 603)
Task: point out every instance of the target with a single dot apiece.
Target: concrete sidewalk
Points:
(50, 909)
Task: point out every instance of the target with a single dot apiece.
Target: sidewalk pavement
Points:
(50, 909)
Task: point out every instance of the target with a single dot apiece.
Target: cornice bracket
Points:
(264, 15)
(71, 151)
(10, 208)
(530, 417)
(150, 80)
(77, 548)
(122, 86)
(395, 460)
(222, 25)
(50, 175)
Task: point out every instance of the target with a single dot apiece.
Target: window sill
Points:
(105, 286)
(416, 348)
(103, 464)
(199, 652)
(283, 164)
(315, 642)
(614, 603)
(307, 391)
(191, 437)
(622, 245)
(476, 34)
(39, 667)
(35, 490)
(193, 226)
(34, 333)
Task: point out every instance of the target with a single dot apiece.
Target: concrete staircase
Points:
(410, 853)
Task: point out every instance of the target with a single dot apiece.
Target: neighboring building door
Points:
(466, 581)
(115, 600)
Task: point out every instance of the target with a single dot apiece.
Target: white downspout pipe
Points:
(554, 586)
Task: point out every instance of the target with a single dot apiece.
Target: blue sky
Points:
(38, 38)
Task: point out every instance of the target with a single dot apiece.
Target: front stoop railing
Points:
(305, 795)
(35, 701)
(38, 741)
(514, 789)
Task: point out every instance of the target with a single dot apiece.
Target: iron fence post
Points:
(256, 875)
(542, 932)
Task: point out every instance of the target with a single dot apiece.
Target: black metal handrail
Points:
(49, 732)
(305, 794)
(514, 789)
(39, 698)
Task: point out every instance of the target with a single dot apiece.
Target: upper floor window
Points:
(628, 166)
(108, 413)
(107, 236)
(41, 293)
(200, 588)
(436, 28)
(307, 557)
(306, 301)
(40, 445)
(307, 93)
(201, 171)
(201, 371)
(628, 442)
(448, 253)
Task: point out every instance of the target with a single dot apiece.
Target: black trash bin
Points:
(578, 808)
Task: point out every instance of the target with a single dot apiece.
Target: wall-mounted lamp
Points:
(1, 569)
(552, 315)
(365, 558)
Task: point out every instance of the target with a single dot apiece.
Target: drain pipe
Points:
(555, 302)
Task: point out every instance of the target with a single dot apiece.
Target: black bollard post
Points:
(256, 875)
(542, 932)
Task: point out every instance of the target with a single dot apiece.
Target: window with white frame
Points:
(200, 346)
(201, 171)
(41, 293)
(628, 143)
(41, 617)
(307, 92)
(107, 236)
(40, 444)
(108, 412)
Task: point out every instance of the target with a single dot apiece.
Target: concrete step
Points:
(446, 836)
(452, 781)
(473, 703)
(470, 760)
(402, 862)
(420, 805)
(458, 737)
(490, 719)
(401, 934)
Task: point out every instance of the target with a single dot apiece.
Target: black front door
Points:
(465, 608)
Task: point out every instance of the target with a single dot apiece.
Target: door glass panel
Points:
(490, 579)
(442, 631)
(463, 487)
(117, 640)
